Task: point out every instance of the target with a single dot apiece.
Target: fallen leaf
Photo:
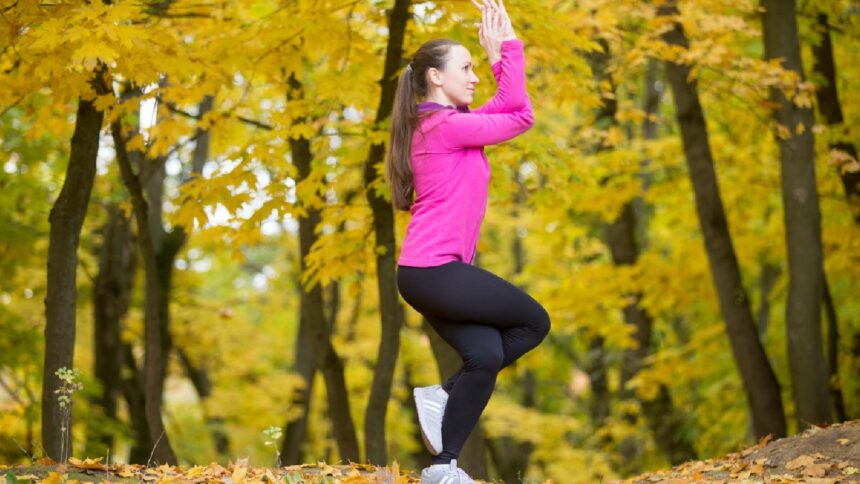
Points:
(843, 441)
(53, 478)
(764, 440)
(801, 461)
(238, 476)
(88, 464)
(195, 471)
(816, 470)
(270, 476)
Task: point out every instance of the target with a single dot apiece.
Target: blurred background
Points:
(193, 215)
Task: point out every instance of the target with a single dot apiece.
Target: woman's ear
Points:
(435, 76)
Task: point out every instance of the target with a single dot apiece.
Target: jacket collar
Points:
(434, 105)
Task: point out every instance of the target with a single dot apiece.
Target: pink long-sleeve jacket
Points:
(450, 172)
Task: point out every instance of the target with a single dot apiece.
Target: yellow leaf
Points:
(88, 463)
(90, 54)
(195, 471)
(239, 474)
(53, 478)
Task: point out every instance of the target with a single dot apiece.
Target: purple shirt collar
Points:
(434, 105)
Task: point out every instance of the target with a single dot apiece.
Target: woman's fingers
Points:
(504, 11)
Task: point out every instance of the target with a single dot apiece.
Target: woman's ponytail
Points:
(411, 88)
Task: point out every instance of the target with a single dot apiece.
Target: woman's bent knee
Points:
(487, 360)
(540, 322)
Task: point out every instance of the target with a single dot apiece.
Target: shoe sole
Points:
(419, 404)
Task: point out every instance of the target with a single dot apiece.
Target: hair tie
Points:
(409, 68)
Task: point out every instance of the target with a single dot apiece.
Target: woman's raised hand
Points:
(495, 27)
(507, 27)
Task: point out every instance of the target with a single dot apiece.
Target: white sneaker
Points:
(445, 474)
(430, 402)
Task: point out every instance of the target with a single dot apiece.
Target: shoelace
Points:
(460, 473)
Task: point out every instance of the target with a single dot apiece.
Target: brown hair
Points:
(411, 87)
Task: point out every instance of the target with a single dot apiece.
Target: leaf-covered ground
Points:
(818, 455)
(93, 470)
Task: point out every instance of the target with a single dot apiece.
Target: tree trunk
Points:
(802, 225)
(833, 354)
(153, 371)
(296, 430)
(66, 219)
(831, 110)
(312, 307)
(390, 310)
(199, 377)
(111, 297)
(135, 397)
(760, 384)
(167, 248)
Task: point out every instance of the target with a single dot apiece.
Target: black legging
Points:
(489, 321)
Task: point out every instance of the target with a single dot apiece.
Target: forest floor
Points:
(819, 455)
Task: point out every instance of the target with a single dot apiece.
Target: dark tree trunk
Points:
(802, 225)
(135, 397)
(111, 297)
(665, 421)
(312, 308)
(66, 219)
(296, 430)
(767, 278)
(833, 354)
(596, 360)
(199, 377)
(760, 384)
(167, 248)
(831, 110)
(153, 371)
(391, 313)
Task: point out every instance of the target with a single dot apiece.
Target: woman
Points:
(436, 151)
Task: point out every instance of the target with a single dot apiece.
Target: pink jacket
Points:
(451, 174)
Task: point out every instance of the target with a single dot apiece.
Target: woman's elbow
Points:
(528, 118)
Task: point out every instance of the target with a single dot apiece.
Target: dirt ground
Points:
(819, 455)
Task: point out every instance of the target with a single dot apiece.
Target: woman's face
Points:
(457, 81)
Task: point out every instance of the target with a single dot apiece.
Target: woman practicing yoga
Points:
(436, 153)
